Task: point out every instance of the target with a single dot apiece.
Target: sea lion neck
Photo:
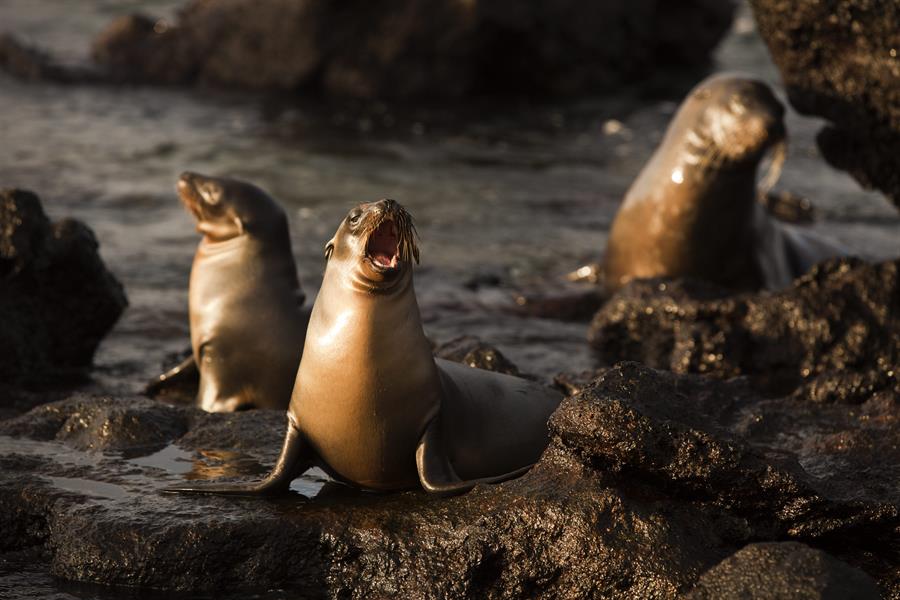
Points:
(208, 246)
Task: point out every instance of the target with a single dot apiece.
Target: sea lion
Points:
(371, 406)
(693, 210)
(244, 300)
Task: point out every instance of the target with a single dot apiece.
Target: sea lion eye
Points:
(354, 218)
(211, 193)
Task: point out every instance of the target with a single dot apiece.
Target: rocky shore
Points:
(651, 480)
(725, 446)
(657, 483)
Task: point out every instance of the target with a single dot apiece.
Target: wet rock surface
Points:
(839, 60)
(784, 570)
(407, 48)
(833, 336)
(650, 481)
(471, 351)
(57, 299)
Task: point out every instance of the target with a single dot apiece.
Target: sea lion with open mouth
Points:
(245, 301)
(372, 406)
(693, 210)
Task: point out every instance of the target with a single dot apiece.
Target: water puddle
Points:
(216, 464)
(88, 487)
(171, 458)
(311, 483)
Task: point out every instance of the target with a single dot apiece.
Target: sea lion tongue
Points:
(384, 245)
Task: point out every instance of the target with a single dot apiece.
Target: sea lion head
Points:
(228, 208)
(731, 120)
(376, 241)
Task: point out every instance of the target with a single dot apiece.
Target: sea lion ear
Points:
(239, 224)
(329, 249)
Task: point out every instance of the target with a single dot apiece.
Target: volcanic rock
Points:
(650, 480)
(840, 59)
(836, 330)
(772, 571)
(57, 299)
(409, 48)
(471, 351)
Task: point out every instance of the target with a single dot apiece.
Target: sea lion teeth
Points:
(373, 407)
(244, 300)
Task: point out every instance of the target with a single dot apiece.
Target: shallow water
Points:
(523, 193)
(518, 192)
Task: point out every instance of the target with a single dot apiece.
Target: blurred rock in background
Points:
(57, 299)
(840, 59)
(413, 48)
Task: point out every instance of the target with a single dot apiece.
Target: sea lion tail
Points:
(295, 458)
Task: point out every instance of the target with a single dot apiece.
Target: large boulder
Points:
(836, 331)
(57, 299)
(414, 48)
(840, 59)
(651, 479)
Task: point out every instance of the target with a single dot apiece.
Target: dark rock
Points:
(31, 64)
(650, 480)
(775, 571)
(841, 60)
(571, 383)
(470, 350)
(89, 423)
(567, 302)
(409, 48)
(57, 299)
(839, 324)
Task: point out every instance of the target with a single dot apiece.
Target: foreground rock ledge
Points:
(651, 479)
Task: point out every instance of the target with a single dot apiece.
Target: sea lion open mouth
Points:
(383, 247)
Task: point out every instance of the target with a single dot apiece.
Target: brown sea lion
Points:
(693, 210)
(371, 406)
(245, 301)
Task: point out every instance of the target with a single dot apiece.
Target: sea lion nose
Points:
(187, 177)
(386, 205)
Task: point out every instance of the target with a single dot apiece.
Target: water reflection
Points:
(90, 487)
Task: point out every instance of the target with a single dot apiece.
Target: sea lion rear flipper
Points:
(184, 372)
(437, 475)
(295, 458)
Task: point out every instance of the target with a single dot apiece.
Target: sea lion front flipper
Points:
(184, 372)
(295, 458)
(437, 475)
